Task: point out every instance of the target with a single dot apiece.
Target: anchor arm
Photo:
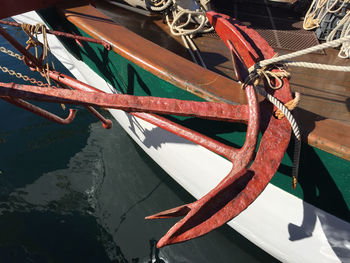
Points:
(242, 185)
(41, 112)
(209, 110)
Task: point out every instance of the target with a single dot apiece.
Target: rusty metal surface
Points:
(106, 123)
(64, 34)
(129, 103)
(243, 185)
(41, 112)
(211, 110)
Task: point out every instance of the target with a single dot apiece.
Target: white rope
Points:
(316, 66)
(158, 6)
(282, 108)
(284, 58)
(262, 65)
(319, 9)
(182, 18)
(295, 129)
(344, 23)
(186, 23)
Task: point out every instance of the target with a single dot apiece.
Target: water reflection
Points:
(93, 209)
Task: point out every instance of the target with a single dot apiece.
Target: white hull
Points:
(278, 222)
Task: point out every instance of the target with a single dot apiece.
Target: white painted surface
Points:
(281, 224)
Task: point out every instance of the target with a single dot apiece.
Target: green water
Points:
(79, 193)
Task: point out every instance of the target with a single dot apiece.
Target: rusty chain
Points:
(18, 74)
(11, 53)
(24, 77)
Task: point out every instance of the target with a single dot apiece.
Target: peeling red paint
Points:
(243, 184)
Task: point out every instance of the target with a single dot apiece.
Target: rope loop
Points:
(188, 20)
(32, 31)
(268, 73)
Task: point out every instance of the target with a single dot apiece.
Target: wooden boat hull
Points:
(290, 224)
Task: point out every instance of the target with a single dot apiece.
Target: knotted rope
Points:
(261, 69)
(32, 31)
(265, 73)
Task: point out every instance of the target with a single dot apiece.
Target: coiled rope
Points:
(187, 23)
(182, 18)
(158, 6)
(344, 27)
(318, 11)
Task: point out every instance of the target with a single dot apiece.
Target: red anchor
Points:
(242, 185)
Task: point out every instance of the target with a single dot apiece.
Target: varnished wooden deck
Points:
(320, 131)
(324, 93)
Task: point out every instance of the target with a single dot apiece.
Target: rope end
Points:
(294, 182)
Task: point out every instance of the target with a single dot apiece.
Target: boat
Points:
(308, 224)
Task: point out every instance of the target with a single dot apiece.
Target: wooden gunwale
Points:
(153, 58)
(326, 134)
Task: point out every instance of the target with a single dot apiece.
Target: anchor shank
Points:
(129, 103)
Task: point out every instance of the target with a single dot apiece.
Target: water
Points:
(79, 193)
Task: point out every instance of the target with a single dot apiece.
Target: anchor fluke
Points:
(213, 210)
(246, 180)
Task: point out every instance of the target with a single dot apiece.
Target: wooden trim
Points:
(155, 59)
(328, 135)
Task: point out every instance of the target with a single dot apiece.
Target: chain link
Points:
(24, 77)
(18, 74)
(11, 53)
